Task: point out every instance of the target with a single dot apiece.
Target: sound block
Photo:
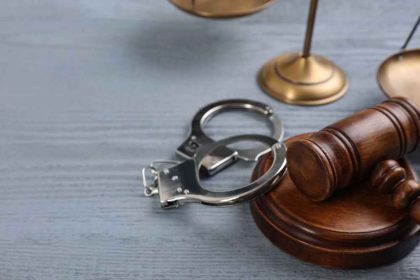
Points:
(356, 228)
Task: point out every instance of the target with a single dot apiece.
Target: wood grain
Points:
(355, 228)
(90, 91)
(391, 178)
(348, 150)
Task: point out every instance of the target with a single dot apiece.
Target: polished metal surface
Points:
(295, 79)
(399, 74)
(310, 23)
(222, 156)
(221, 8)
(303, 78)
(179, 183)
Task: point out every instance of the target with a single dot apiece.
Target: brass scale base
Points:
(295, 79)
(291, 78)
(356, 228)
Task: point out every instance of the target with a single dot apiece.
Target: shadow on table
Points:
(181, 45)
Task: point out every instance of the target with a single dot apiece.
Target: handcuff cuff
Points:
(179, 182)
(222, 156)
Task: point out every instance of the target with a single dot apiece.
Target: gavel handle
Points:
(390, 178)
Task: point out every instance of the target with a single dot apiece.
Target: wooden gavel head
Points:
(348, 150)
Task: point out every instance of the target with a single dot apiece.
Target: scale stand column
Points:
(303, 78)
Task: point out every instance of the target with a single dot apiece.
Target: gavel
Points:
(390, 178)
(347, 151)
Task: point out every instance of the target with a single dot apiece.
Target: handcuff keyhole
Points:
(193, 142)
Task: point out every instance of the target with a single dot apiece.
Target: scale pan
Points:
(399, 75)
(221, 8)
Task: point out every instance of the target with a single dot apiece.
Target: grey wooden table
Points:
(90, 91)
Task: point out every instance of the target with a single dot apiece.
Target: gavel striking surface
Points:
(356, 228)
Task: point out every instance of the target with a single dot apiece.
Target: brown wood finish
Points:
(347, 151)
(357, 228)
(391, 178)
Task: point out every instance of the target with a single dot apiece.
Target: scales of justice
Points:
(295, 78)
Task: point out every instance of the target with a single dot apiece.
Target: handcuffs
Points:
(179, 182)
